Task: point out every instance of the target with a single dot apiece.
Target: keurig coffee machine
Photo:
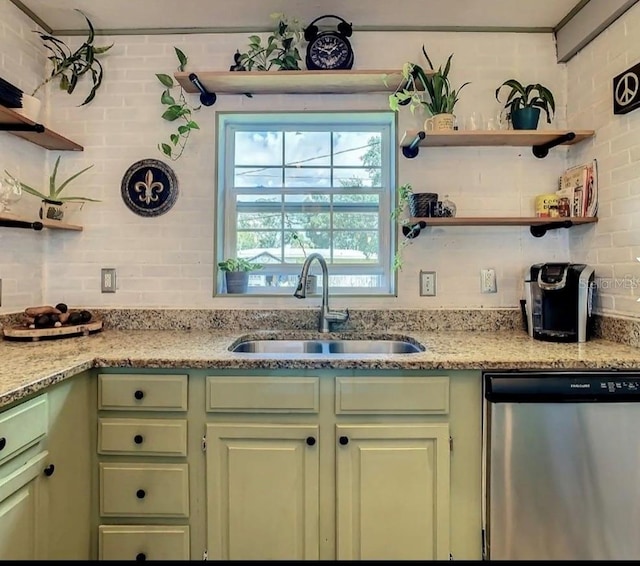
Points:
(558, 301)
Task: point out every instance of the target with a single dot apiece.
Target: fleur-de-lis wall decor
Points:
(149, 187)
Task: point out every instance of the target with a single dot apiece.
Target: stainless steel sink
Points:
(326, 346)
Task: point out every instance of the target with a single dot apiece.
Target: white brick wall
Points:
(614, 244)
(168, 260)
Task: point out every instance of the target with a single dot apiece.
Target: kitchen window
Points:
(296, 183)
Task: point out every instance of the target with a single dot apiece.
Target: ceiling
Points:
(193, 16)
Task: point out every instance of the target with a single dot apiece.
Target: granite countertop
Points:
(29, 367)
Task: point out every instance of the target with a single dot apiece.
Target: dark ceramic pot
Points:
(525, 118)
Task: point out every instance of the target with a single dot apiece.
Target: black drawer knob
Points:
(344, 440)
(3, 443)
(311, 440)
(138, 394)
(141, 493)
(138, 439)
(48, 471)
(141, 556)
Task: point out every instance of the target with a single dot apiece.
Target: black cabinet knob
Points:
(310, 440)
(3, 443)
(48, 471)
(141, 556)
(344, 440)
(138, 439)
(138, 394)
(141, 493)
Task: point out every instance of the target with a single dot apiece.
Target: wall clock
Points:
(149, 187)
(330, 49)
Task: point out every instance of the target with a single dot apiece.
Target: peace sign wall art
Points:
(626, 90)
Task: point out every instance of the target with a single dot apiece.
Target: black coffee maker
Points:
(558, 301)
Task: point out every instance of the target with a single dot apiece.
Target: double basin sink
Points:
(326, 346)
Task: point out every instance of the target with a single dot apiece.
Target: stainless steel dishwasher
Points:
(561, 465)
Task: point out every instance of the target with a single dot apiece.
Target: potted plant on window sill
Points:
(524, 103)
(236, 271)
(54, 205)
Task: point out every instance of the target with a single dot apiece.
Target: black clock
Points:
(330, 49)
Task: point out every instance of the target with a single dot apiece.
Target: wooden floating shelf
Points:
(475, 138)
(51, 224)
(47, 139)
(293, 82)
(502, 221)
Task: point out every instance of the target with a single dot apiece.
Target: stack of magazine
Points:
(579, 185)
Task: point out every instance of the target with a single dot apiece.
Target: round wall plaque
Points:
(149, 187)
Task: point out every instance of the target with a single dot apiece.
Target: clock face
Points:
(329, 51)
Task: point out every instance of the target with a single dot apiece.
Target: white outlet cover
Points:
(428, 283)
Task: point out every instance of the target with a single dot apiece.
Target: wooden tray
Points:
(35, 334)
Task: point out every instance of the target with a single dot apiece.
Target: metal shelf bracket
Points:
(542, 150)
(207, 98)
(412, 149)
(541, 229)
(412, 231)
(39, 128)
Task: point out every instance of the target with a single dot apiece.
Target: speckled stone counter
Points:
(29, 367)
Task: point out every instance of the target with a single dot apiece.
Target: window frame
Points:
(383, 122)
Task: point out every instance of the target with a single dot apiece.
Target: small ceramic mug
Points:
(439, 123)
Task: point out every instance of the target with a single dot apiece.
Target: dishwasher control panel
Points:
(564, 386)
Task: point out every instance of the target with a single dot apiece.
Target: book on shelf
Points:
(579, 185)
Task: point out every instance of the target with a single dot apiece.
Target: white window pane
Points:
(257, 177)
(357, 178)
(307, 148)
(307, 177)
(357, 149)
(258, 148)
(355, 220)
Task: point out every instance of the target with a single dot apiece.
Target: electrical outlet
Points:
(428, 283)
(488, 283)
(108, 279)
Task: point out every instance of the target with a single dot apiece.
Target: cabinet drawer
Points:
(392, 395)
(148, 437)
(263, 394)
(22, 426)
(144, 490)
(142, 392)
(143, 542)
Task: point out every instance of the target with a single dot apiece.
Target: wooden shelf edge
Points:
(47, 139)
(501, 221)
(293, 82)
(51, 224)
(475, 138)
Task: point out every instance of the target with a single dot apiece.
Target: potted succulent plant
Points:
(430, 90)
(236, 272)
(524, 103)
(69, 67)
(54, 204)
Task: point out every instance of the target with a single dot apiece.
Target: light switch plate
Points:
(428, 283)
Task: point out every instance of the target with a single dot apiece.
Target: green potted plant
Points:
(177, 108)
(430, 90)
(69, 67)
(54, 204)
(236, 272)
(523, 104)
(279, 51)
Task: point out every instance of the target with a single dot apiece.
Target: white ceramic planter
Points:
(30, 107)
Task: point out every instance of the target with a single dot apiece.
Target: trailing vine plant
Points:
(177, 109)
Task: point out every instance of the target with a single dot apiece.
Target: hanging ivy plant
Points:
(178, 109)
